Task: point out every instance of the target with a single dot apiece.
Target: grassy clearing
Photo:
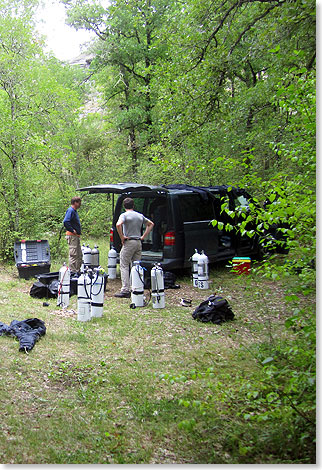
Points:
(145, 385)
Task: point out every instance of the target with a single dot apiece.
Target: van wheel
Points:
(266, 246)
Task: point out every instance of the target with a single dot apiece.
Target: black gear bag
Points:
(215, 309)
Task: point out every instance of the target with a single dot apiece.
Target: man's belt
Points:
(72, 234)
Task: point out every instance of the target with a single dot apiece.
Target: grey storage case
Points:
(32, 257)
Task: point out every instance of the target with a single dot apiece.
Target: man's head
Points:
(76, 202)
(128, 203)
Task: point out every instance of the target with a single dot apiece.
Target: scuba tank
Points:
(97, 292)
(194, 268)
(63, 286)
(82, 265)
(84, 284)
(203, 271)
(95, 257)
(157, 286)
(111, 264)
(137, 284)
(87, 257)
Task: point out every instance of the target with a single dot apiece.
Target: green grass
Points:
(145, 385)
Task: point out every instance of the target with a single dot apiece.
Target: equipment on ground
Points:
(215, 309)
(157, 286)
(97, 292)
(241, 265)
(63, 286)
(84, 297)
(82, 265)
(111, 264)
(26, 331)
(137, 284)
(87, 257)
(32, 257)
(194, 268)
(203, 274)
(95, 256)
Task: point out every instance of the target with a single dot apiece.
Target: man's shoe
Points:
(125, 295)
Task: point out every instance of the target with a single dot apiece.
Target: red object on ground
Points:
(241, 265)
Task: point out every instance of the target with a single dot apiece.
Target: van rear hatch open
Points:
(152, 202)
(122, 188)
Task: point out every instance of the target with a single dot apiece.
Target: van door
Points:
(196, 215)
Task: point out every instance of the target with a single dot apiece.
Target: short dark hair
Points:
(128, 203)
(75, 199)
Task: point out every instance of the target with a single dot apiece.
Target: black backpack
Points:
(215, 309)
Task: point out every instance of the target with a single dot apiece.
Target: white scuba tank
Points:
(157, 286)
(82, 265)
(97, 297)
(111, 264)
(84, 283)
(87, 257)
(63, 286)
(95, 256)
(203, 271)
(194, 268)
(137, 284)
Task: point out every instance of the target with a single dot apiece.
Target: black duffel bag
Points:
(40, 290)
(215, 309)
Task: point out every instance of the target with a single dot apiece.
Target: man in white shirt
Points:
(129, 227)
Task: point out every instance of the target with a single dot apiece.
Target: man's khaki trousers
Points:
(75, 253)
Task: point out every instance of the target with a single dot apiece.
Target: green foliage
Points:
(198, 92)
(38, 99)
(280, 395)
(126, 53)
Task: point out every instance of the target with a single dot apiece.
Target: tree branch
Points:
(260, 17)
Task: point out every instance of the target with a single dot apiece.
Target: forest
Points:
(202, 92)
(198, 92)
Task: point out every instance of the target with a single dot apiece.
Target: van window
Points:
(241, 201)
(151, 207)
(194, 209)
(138, 205)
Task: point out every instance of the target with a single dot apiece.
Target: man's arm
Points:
(148, 227)
(119, 228)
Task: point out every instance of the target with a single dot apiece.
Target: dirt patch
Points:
(65, 313)
(69, 374)
(172, 296)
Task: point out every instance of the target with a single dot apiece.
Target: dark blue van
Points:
(182, 217)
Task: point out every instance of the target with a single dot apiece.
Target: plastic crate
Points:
(32, 257)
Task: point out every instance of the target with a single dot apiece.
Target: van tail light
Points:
(169, 239)
(111, 236)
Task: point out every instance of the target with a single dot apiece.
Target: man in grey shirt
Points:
(129, 228)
